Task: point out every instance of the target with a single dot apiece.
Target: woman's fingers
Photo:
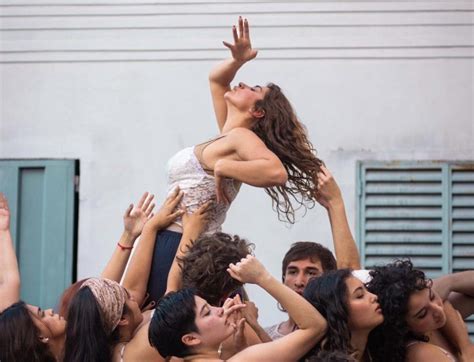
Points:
(142, 200)
(234, 34)
(128, 211)
(241, 27)
(246, 29)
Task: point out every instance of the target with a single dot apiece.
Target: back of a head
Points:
(285, 135)
(328, 294)
(204, 266)
(20, 338)
(66, 297)
(393, 284)
(333, 356)
(86, 339)
(174, 317)
(302, 250)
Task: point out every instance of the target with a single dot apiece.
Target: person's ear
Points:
(258, 113)
(190, 339)
(123, 321)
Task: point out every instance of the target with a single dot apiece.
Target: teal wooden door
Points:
(41, 196)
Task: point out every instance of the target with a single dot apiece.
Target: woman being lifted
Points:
(261, 143)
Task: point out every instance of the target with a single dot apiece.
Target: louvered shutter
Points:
(421, 210)
(462, 221)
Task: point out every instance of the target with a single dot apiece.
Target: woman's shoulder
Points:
(422, 351)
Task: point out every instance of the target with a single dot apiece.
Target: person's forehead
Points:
(417, 300)
(305, 263)
(353, 283)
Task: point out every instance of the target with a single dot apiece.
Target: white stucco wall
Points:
(122, 87)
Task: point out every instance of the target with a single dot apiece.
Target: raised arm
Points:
(9, 273)
(193, 225)
(329, 196)
(458, 288)
(136, 278)
(223, 73)
(134, 220)
(312, 326)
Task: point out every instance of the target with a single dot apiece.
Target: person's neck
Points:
(236, 119)
(56, 346)
(359, 343)
(204, 356)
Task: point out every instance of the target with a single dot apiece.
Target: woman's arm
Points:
(9, 273)
(329, 196)
(312, 326)
(254, 165)
(223, 73)
(193, 225)
(458, 288)
(134, 220)
(138, 272)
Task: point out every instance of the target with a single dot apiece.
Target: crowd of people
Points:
(181, 294)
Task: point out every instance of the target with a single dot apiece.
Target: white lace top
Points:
(185, 171)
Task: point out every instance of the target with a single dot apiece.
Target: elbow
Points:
(322, 328)
(280, 176)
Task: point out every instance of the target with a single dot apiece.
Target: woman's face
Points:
(244, 97)
(425, 311)
(50, 324)
(213, 326)
(364, 310)
(134, 312)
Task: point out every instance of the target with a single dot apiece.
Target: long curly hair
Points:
(285, 135)
(393, 284)
(329, 295)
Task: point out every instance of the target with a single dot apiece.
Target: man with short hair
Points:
(306, 259)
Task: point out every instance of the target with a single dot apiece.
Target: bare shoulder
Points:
(240, 135)
(426, 352)
(139, 348)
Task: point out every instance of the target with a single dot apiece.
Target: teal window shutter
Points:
(422, 210)
(41, 195)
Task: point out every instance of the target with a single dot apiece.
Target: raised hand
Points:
(248, 270)
(242, 48)
(168, 212)
(328, 190)
(4, 213)
(136, 217)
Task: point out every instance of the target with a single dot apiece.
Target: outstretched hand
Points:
(4, 213)
(242, 48)
(136, 217)
(248, 270)
(327, 188)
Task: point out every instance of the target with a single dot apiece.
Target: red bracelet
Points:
(125, 247)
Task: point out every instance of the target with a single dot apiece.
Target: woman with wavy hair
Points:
(261, 143)
(415, 313)
(351, 313)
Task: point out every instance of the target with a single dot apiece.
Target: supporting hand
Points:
(248, 270)
(167, 212)
(328, 190)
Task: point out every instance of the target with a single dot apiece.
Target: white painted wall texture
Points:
(122, 86)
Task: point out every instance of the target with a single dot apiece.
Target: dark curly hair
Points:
(393, 284)
(329, 295)
(285, 135)
(20, 338)
(204, 265)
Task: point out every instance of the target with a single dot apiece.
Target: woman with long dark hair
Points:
(414, 314)
(261, 143)
(27, 333)
(351, 313)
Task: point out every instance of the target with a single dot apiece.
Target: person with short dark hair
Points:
(185, 325)
(306, 259)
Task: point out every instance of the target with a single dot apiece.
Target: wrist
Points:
(335, 204)
(264, 279)
(127, 239)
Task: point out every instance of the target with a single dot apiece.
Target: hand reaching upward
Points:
(242, 48)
